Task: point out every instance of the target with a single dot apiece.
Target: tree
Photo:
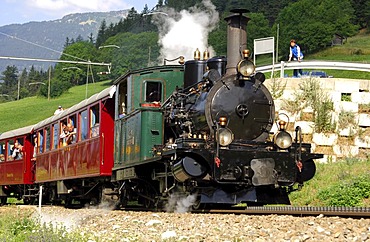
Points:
(362, 12)
(327, 17)
(23, 81)
(258, 27)
(269, 8)
(218, 37)
(101, 33)
(67, 43)
(179, 5)
(10, 85)
(136, 51)
(91, 38)
(79, 38)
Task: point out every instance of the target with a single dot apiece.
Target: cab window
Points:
(153, 91)
(122, 100)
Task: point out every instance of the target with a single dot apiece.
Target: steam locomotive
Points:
(200, 129)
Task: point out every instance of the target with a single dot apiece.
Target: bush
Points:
(23, 226)
(57, 88)
(311, 94)
(347, 193)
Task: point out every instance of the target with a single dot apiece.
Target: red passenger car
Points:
(74, 151)
(16, 165)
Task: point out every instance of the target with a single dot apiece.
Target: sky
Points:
(23, 11)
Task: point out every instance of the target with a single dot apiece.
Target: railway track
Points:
(356, 212)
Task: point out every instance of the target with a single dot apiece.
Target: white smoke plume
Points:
(179, 203)
(182, 33)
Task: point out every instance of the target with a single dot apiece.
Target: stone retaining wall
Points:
(350, 141)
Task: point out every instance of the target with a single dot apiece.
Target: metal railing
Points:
(282, 66)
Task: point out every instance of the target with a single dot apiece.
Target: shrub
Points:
(310, 94)
(347, 193)
(23, 226)
(277, 88)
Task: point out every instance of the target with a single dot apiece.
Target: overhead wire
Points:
(41, 46)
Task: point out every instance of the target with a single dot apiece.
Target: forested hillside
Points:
(139, 39)
(51, 35)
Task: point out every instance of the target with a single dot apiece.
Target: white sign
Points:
(264, 46)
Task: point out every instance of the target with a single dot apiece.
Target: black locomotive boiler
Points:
(217, 136)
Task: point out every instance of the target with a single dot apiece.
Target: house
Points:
(338, 39)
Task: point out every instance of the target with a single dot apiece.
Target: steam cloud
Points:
(182, 33)
(179, 203)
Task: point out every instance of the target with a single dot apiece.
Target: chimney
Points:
(236, 39)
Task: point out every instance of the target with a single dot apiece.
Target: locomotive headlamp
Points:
(246, 68)
(282, 125)
(246, 54)
(224, 136)
(283, 140)
(222, 121)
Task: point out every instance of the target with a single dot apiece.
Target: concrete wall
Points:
(350, 141)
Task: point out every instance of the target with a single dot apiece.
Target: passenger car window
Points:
(10, 150)
(2, 151)
(41, 141)
(95, 120)
(56, 135)
(84, 125)
(47, 139)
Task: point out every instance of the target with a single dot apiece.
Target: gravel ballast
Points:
(107, 225)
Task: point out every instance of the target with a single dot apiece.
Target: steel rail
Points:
(358, 212)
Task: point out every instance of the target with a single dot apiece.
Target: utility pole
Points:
(19, 86)
(277, 43)
(49, 83)
(149, 51)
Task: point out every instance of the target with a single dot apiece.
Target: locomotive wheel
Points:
(197, 205)
(3, 201)
(68, 202)
(147, 194)
(28, 201)
(122, 197)
(52, 196)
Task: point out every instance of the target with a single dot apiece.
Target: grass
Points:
(336, 184)
(355, 49)
(23, 225)
(31, 110)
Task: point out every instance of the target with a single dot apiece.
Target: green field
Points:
(355, 49)
(31, 110)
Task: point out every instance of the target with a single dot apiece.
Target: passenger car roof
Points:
(105, 93)
(16, 132)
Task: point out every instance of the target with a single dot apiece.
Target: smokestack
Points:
(236, 38)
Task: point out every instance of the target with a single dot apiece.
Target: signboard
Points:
(265, 46)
